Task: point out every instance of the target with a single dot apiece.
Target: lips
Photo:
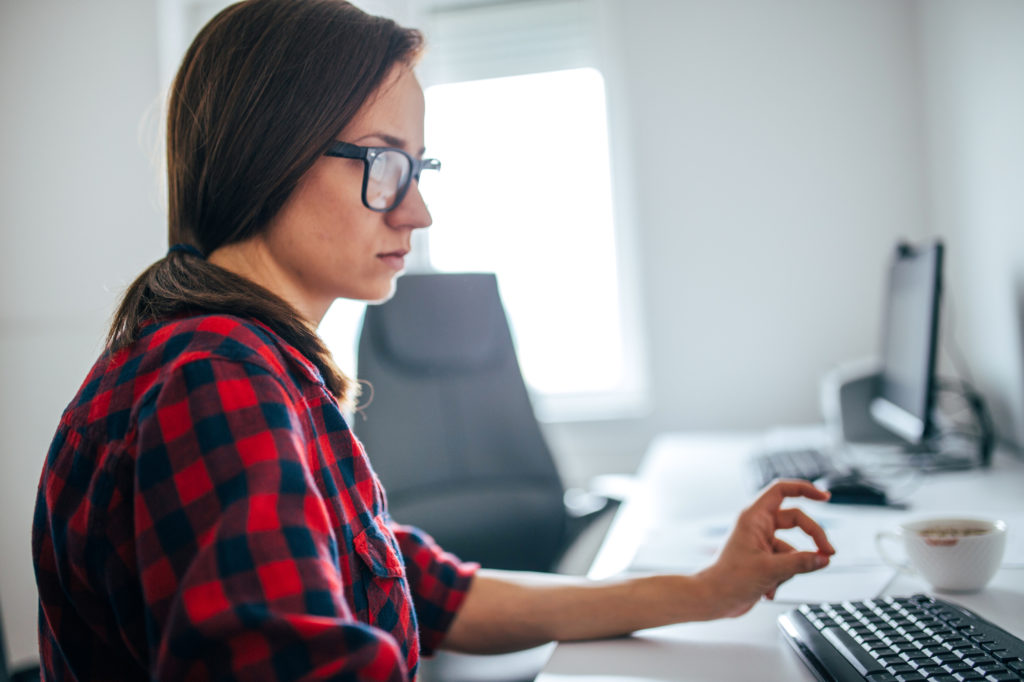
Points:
(394, 259)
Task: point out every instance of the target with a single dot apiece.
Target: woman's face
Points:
(324, 243)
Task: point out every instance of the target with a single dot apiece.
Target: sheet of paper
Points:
(682, 547)
(835, 583)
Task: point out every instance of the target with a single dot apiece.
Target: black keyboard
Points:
(806, 463)
(902, 639)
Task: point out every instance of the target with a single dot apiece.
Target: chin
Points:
(386, 295)
(376, 294)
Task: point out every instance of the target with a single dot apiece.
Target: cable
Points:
(985, 433)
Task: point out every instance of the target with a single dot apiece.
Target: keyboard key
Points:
(931, 671)
(915, 655)
(900, 669)
(990, 667)
(969, 652)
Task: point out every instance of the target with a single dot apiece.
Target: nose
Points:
(412, 213)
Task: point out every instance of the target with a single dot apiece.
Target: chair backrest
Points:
(450, 429)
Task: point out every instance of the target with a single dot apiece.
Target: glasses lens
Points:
(388, 175)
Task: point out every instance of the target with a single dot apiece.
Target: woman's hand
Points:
(753, 562)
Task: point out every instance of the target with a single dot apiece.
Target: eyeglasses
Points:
(387, 172)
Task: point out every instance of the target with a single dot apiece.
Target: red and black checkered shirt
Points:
(205, 513)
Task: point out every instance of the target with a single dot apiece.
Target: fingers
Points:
(779, 490)
(796, 518)
(798, 562)
(780, 546)
(790, 561)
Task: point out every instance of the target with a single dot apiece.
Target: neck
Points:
(251, 259)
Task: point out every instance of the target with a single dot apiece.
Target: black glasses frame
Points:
(347, 150)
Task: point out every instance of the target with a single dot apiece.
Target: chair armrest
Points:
(588, 515)
(603, 489)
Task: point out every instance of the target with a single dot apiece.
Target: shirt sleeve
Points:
(238, 561)
(438, 580)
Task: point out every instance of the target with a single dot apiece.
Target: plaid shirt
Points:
(205, 513)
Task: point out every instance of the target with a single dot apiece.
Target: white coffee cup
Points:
(953, 554)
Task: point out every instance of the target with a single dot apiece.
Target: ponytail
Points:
(184, 282)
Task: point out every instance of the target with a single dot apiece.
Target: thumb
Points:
(799, 562)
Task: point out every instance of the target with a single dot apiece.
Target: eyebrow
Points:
(391, 141)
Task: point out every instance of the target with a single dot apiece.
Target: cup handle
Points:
(880, 538)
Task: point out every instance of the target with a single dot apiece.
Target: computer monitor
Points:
(910, 337)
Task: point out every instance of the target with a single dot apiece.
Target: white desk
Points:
(685, 478)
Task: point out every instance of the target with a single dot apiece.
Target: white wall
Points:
(974, 53)
(778, 154)
(79, 217)
(777, 149)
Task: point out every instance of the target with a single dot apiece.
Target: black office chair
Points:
(450, 429)
(451, 432)
(20, 674)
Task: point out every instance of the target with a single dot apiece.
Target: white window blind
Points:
(508, 39)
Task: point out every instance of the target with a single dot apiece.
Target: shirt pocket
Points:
(384, 582)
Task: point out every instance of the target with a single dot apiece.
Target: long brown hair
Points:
(263, 90)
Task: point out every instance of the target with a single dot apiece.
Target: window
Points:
(516, 111)
(526, 194)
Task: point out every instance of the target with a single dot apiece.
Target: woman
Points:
(204, 511)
